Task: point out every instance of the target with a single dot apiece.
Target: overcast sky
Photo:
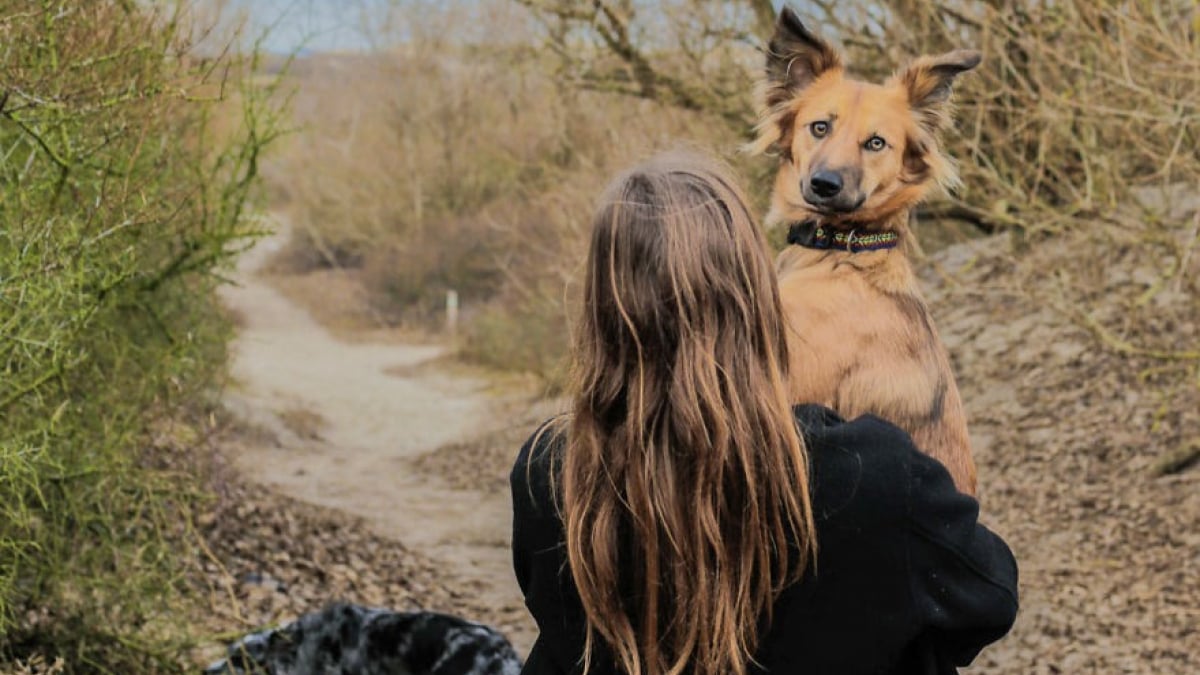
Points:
(325, 25)
(316, 25)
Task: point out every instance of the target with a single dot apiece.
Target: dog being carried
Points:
(855, 158)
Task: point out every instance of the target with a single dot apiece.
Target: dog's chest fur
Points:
(861, 340)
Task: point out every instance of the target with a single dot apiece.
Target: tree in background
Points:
(694, 54)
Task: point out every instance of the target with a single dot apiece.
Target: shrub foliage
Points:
(127, 160)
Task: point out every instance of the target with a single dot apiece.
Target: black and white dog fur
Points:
(353, 640)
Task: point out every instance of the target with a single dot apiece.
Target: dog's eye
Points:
(875, 144)
(820, 128)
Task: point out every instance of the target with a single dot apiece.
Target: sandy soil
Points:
(349, 422)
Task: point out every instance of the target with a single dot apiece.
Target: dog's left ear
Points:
(928, 81)
(796, 57)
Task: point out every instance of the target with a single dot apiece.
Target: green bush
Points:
(522, 336)
(126, 166)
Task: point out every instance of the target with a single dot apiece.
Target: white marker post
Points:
(452, 312)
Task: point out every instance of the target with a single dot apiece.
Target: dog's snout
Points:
(826, 184)
(834, 190)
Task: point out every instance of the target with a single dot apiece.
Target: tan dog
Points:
(856, 157)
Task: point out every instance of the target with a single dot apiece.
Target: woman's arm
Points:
(526, 517)
(537, 536)
(963, 576)
(540, 561)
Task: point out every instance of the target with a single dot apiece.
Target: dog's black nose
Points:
(826, 184)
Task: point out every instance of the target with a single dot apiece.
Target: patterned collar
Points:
(811, 234)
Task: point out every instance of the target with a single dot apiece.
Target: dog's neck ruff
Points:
(812, 234)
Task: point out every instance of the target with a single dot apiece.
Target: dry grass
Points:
(36, 665)
(305, 423)
(338, 299)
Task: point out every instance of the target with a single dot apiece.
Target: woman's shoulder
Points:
(873, 462)
(866, 462)
(545, 441)
(868, 441)
(532, 470)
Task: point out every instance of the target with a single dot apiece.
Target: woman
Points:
(685, 519)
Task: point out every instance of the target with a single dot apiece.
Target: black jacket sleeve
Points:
(525, 517)
(963, 577)
(540, 562)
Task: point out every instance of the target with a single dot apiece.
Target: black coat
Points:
(907, 581)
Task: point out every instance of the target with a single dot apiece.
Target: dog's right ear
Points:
(795, 57)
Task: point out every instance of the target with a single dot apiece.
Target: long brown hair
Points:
(685, 482)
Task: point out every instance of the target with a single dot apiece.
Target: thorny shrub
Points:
(127, 162)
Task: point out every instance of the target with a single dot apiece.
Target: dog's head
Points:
(852, 151)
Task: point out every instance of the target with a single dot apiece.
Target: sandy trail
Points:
(373, 424)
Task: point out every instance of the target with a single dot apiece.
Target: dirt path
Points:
(352, 423)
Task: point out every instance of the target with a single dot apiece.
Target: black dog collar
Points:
(811, 234)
